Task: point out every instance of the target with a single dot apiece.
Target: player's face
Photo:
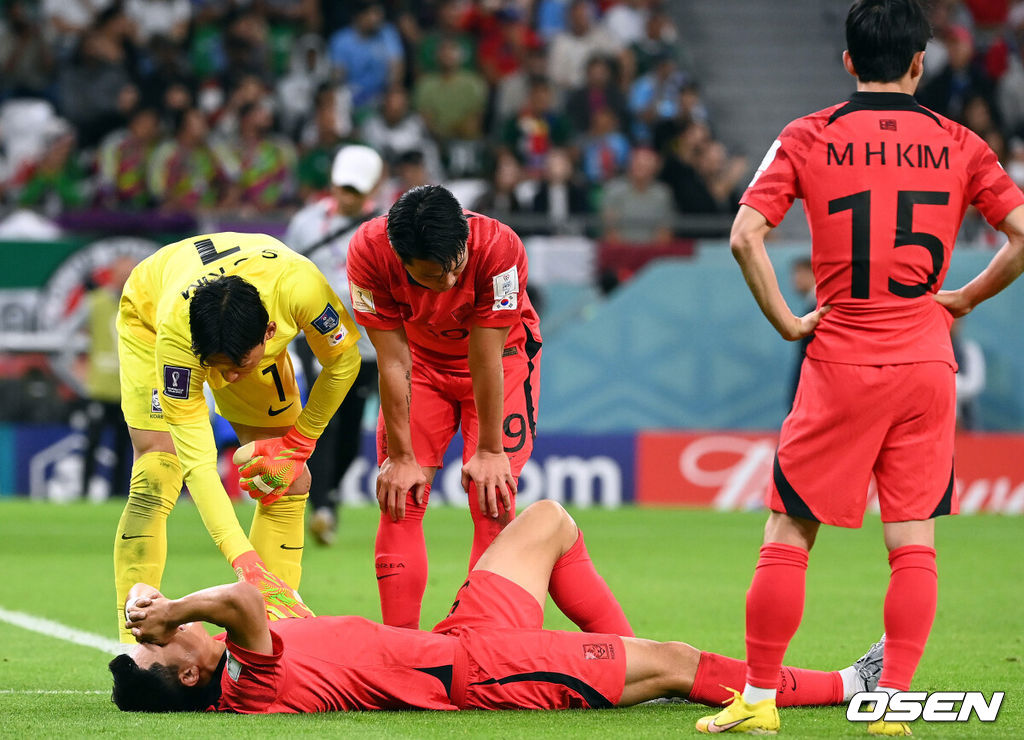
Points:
(232, 372)
(250, 361)
(183, 649)
(431, 275)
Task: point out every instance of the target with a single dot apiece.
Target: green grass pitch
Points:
(680, 575)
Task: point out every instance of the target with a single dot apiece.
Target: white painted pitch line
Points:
(61, 632)
(23, 692)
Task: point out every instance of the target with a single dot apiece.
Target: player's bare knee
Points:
(677, 666)
(552, 517)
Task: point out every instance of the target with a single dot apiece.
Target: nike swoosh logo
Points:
(274, 412)
(381, 578)
(285, 547)
(714, 727)
(133, 536)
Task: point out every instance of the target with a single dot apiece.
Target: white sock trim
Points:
(753, 694)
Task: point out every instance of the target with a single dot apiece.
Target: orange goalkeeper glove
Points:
(268, 466)
(279, 599)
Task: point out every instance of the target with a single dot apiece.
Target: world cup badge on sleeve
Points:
(176, 381)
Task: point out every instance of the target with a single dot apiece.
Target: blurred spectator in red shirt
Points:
(505, 38)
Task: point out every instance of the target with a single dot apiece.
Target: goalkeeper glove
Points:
(268, 466)
(280, 600)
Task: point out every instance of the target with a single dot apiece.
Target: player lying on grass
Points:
(490, 652)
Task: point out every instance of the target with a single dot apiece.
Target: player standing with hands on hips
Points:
(885, 184)
(441, 293)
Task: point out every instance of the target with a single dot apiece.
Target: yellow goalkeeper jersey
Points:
(297, 297)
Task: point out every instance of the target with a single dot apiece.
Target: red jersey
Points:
(339, 664)
(885, 184)
(491, 291)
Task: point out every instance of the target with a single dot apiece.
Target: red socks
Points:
(909, 612)
(583, 596)
(775, 605)
(485, 527)
(797, 686)
(400, 556)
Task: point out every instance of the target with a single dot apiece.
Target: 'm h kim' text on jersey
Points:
(900, 154)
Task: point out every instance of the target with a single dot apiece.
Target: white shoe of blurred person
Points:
(323, 525)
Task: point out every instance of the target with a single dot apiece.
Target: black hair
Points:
(157, 689)
(427, 223)
(882, 37)
(227, 317)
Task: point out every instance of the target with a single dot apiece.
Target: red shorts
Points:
(851, 421)
(507, 661)
(442, 401)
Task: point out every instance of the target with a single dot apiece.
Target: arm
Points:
(237, 607)
(747, 242)
(188, 421)
(195, 447)
(329, 390)
(399, 473)
(270, 466)
(1005, 267)
(489, 467)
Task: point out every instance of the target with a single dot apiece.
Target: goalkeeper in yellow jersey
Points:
(222, 308)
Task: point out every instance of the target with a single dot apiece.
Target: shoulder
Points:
(493, 242)
(484, 230)
(964, 137)
(803, 130)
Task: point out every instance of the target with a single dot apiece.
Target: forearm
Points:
(395, 404)
(228, 606)
(760, 276)
(197, 452)
(1005, 267)
(329, 390)
(488, 376)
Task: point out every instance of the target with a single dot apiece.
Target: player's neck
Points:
(906, 85)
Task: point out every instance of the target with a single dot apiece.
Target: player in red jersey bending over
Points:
(488, 653)
(442, 295)
(885, 184)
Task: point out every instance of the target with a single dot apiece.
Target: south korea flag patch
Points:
(506, 290)
(337, 336)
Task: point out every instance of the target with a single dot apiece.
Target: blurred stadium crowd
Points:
(543, 108)
(561, 115)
